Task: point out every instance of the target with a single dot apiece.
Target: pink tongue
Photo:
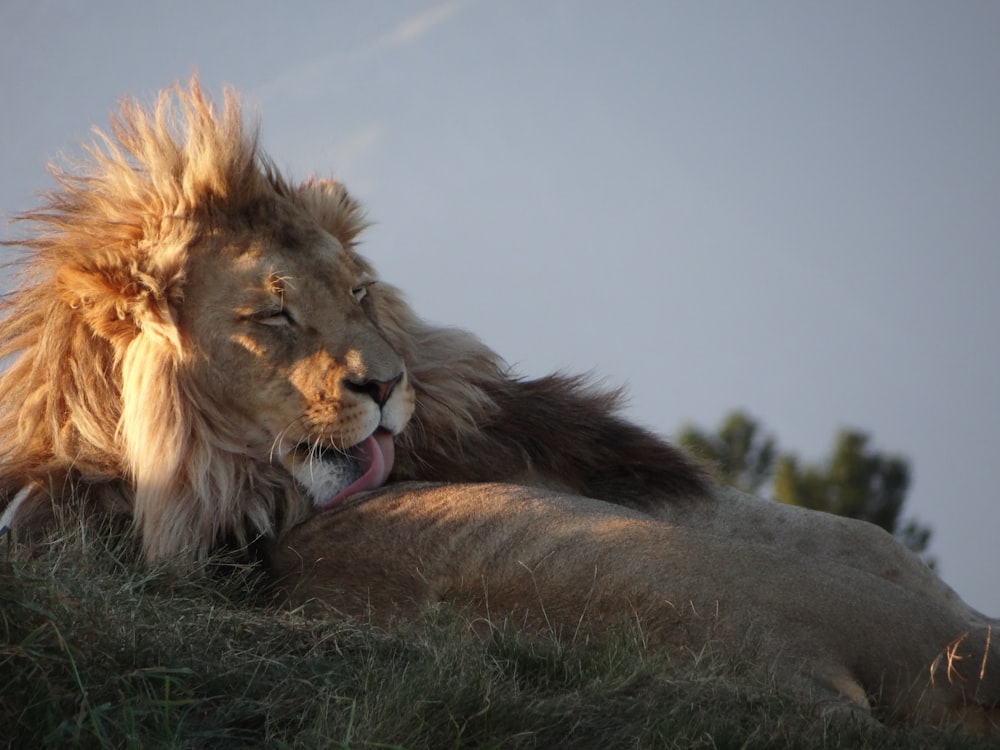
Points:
(375, 455)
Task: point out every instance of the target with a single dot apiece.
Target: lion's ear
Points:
(334, 208)
(117, 303)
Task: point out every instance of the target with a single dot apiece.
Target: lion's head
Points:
(191, 332)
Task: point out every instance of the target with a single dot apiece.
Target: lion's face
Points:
(281, 327)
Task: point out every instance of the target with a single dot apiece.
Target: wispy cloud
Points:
(416, 26)
(304, 78)
(347, 150)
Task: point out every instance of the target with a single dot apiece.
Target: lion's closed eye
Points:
(270, 315)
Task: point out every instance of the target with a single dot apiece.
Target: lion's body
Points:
(832, 632)
(198, 351)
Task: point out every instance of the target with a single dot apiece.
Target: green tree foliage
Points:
(742, 455)
(856, 480)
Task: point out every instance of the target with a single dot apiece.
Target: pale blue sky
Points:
(787, 207)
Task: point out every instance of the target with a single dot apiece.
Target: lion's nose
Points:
(379, 390)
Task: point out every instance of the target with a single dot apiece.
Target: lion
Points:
(199, 356)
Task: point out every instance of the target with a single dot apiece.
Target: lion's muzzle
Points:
(330, 475)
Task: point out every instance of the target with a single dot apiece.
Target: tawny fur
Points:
(828, 631)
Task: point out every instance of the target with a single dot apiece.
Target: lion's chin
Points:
(330, 476)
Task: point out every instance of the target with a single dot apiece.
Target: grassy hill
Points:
(97, 652)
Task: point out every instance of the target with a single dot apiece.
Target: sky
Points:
(789, 208)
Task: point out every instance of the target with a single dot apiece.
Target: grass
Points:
(97, 652)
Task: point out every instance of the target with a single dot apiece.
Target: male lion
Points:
(198, 350)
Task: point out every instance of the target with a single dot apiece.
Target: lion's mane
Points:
(97, 409)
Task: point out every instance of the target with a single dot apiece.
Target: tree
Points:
(743, 457)
(856, 481)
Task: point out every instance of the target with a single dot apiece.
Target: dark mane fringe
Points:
(562, 432)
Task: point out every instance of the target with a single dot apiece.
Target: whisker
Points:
(281, 435)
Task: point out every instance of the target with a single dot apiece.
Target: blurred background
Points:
(790, 209)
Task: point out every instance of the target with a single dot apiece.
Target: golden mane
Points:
(95, 400)
(98, 405)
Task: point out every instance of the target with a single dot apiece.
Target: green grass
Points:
(97, 652)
